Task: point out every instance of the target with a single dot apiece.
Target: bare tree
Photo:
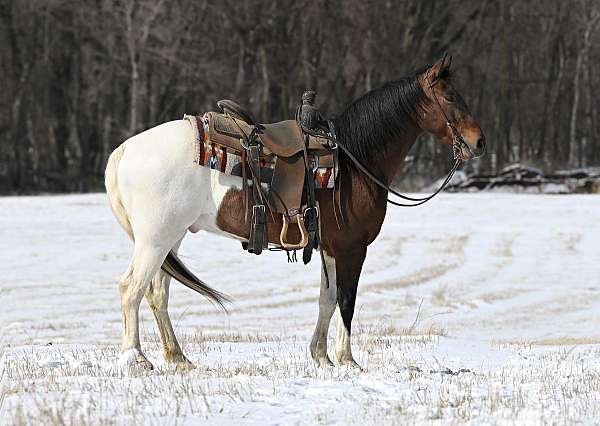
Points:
(77, 79)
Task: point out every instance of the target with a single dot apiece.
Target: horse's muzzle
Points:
(469, 152)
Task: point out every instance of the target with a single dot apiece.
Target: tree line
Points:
(78, 78)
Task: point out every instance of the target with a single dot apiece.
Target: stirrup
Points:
(299, 219)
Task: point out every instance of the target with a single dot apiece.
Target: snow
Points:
(474, 308)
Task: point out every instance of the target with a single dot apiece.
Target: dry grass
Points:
(389, 329)
(553, 341)
(247, 376)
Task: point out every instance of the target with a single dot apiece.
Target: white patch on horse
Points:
(327, 304)
(157, 193)
(343, 349)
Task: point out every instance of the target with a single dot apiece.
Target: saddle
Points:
(295, 154)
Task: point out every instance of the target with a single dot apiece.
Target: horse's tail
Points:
(172, 265)
(176, 269)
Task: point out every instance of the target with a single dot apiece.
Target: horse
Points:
(158, 195)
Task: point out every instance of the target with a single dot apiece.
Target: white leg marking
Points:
(343, 349)
(327, 303)
(157, 296)
(146, 262)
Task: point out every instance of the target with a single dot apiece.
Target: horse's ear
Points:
(448, 61)
(438, 69)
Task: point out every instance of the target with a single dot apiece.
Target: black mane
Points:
(380, 117)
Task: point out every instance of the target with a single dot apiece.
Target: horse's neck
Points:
(396, 152)
(385, 163)
(386, 167)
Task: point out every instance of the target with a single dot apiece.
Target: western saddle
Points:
(296, 149)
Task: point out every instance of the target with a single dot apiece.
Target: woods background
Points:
(78, 78)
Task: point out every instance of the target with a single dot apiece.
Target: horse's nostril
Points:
(481, 145)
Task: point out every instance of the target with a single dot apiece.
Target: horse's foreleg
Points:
(146, 262)
(157, 296)
(327, 303)
(348, 272)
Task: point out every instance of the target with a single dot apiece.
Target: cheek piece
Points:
(459, 144)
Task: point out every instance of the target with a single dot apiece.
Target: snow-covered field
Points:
(480, 308)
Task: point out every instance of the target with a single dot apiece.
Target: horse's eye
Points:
(449, 98)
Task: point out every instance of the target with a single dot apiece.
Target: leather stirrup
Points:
(299, 219)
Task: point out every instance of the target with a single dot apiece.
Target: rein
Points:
(378, 182)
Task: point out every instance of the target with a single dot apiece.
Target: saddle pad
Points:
(226, 160)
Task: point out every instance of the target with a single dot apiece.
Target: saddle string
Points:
(316, 120)
(337, 204)
(245, 185)
(246, 148)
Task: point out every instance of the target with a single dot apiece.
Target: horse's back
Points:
(173, 139)
(160, 149)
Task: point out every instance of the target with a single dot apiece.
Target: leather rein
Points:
(458, 143)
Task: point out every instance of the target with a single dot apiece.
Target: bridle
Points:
(458, 143)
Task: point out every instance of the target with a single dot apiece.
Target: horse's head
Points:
(446, 115)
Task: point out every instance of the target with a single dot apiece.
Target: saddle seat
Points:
(283, 138)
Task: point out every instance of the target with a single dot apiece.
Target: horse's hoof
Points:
(133, 358)
(184, 366)
(349, 362)
(319, 354)
(177, 357)
(144, 364)
(324, 361)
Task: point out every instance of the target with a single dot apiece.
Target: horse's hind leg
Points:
(146, 262)
(327, 303)
(157, 296)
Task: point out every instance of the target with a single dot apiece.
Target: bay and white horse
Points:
(158, 194)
